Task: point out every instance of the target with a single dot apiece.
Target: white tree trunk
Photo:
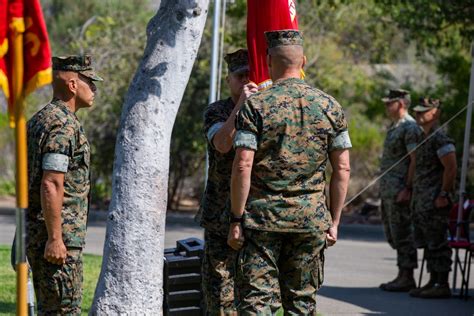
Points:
(131, 279)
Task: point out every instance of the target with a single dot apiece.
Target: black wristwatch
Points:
(235, 219)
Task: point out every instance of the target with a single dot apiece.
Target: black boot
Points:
(384, 285)
(405, 282)
(433, 279)
(440, 289)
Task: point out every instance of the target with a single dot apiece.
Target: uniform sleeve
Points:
(340, 138)
(412, 135)
(58, 147)
(444, 145)
(214, 118)
(248, 125)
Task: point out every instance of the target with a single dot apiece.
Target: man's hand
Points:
(331, 236)
(55, 251)
(236, 236)
(248, 89)
(404, 196)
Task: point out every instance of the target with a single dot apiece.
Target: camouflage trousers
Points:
(58, 288)
(276, 269)
(398, 226)
(218, 267)
(431, 233)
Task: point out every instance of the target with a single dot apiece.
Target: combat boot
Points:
(433, 278)
(436, 291)
(384, 285)
(405, 283)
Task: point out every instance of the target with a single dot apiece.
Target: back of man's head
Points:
(288, 56)
(285, 51)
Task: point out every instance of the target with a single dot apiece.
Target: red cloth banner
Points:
(263, 16)
(25, 54)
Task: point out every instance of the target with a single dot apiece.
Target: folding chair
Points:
(462, 243)
(465, 284)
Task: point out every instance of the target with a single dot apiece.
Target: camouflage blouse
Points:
(401, 138)
(215, 203)
(57, 142)
(292, 127)
(428, 178)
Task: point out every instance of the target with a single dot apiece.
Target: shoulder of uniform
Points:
(442, 137)
(324, 99)
(219, 104)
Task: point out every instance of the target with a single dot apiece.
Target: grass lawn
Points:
(8, 281)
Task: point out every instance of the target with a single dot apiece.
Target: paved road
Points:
(354, 268)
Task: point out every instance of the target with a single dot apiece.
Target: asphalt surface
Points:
(354, 268)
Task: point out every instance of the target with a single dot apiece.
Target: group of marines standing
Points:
(416, 193)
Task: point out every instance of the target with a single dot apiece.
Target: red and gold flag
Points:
(263, 16)
(25, 54)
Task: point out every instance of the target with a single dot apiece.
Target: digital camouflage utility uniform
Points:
(219, 258)
(401, 138)
(431, 224)
(218, 266)
(57, 142)
(292, 127)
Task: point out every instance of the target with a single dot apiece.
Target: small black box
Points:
(182, 278)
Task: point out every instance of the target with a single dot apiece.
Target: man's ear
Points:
(72, 85)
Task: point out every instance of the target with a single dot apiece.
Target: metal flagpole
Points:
(214, 64)
(465, 160)
(221, 50)
(215, 50)
(465, 154)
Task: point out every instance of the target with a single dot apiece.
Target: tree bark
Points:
(131, 279)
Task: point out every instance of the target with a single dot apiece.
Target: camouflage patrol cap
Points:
(426, 104)
(237, 61)
(283, 37)
(396, 94)
(78, 63)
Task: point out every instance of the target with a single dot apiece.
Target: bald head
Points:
(286, 60)
(288, 56)
(62, 81)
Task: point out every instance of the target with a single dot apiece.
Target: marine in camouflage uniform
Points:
(291, 128)
(434, 179)
(401, 138)
(219, 259)
(57, 144)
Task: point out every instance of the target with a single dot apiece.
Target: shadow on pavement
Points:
(386, 303)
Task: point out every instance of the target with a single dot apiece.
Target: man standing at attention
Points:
(219, 258)
(285, 137)
(396, 188)
(59, 186)
(434, 179)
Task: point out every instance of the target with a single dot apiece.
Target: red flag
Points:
(263, 16)
(25, 54)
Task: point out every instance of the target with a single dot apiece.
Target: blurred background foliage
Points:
(356, 50)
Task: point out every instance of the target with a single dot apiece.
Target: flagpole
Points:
(21, 170)
(465, 156)
(214, 64)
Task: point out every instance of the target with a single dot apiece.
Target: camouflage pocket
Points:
(318, 271)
